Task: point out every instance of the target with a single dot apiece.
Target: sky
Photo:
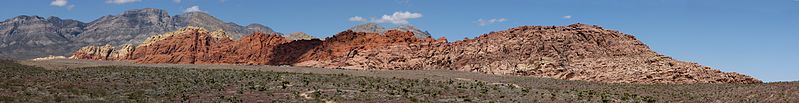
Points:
(753, 37)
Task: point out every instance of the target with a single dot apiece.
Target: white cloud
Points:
(62, 3)
(483, 22)
(396, 18)
(121, 1)
(567, 17)
(194, 8)
(399, 17)
(59, 3)
(358, 19)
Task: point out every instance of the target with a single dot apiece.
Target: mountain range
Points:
(25, 37)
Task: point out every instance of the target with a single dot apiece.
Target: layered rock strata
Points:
(574, 52)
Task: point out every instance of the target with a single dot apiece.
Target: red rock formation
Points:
(360, 50)
(574, 52)
(253, 49)
(197, 46)
(188, 47)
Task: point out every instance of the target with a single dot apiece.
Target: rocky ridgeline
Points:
(574, 52)
(27, 37)
(299, 36)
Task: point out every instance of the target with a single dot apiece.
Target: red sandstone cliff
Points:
(574, 52)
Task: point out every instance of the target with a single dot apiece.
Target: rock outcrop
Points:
(578, 52)
(186, 46)
(574, 52)
(364, 50)
(106, 52)
(195, 45)
(51, 57)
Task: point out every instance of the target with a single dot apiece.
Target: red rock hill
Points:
(574, 52)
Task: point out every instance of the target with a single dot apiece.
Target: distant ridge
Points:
(26, 37)
(376, 28)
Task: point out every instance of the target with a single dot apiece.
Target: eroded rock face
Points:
(258, 48)
(187, 46)
(364, 50)
(574, 52)
(106, 52)
(578, 52)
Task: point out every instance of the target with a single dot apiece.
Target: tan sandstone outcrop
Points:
(106, 52)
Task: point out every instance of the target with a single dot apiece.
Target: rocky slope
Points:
(578, 52)
(391, 50)
(188, 45)
(33, 36)
(26, 37)
(574, 52)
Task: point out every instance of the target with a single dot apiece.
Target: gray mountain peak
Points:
(300, 36)
(25, 37)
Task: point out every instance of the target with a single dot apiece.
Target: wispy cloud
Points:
(396, 18)
(194, 8)
(567, 17)
(176, 1)
(399, 17)
(483, 22)
(121, 1)
(62, 3)
(59, 3)
(358, 19)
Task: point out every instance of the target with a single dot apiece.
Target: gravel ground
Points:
(529, 88)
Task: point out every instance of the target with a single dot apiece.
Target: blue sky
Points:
(754, 37)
